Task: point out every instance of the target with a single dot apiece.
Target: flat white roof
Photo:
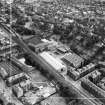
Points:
(52, 61)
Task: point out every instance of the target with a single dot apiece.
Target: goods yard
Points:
(52, 52)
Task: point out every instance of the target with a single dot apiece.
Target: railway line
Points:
(73, 91)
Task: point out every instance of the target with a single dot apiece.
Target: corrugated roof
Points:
(73, 59)
(52, 61)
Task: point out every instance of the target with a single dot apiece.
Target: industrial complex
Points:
(52, 52)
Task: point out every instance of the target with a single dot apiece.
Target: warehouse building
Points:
(73, 59)
(17, 79)
(57, 65)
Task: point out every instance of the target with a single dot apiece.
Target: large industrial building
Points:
(52, 52)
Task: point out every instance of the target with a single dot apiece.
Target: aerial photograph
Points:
(52, 52)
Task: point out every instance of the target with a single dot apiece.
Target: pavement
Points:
(88, 96)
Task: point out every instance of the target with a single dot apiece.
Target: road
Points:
(47, 68)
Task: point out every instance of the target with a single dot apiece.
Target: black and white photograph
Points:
(52, 52)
